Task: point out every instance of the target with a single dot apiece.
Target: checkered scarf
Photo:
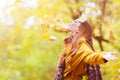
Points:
(93, 71)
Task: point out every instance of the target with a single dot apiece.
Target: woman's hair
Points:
(85, 30)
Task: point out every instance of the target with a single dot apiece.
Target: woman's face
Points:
(73, 27)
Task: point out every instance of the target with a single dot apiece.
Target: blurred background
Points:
(32, 33)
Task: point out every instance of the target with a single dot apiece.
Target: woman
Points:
(79, 58)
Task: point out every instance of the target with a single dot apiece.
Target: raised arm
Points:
(92, 57)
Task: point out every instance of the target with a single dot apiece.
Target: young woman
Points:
(78, 58)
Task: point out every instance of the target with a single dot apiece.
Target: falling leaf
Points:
(45, 27)
(52, 38)
(94, 9)
(111, 36)
(46, 36)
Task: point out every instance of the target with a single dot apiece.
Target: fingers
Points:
(113, 58)
(112, 53)
(110, 56)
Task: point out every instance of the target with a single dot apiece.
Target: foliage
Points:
(26, 50)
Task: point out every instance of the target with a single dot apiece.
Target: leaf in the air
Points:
(45, 36)
(52, 38)
(111, 36)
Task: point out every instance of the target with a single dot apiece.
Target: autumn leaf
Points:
(94, 9)
(46, 36)
(52, 38)
(45, 27)
(111, 36)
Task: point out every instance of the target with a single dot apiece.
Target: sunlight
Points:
(7, 7)
(28, 4)
(5, 3)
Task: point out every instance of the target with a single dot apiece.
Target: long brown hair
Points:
(84, 30)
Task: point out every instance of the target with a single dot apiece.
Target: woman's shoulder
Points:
(83, 39)
(83, 43)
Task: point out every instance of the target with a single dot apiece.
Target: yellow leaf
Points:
(52, 38)
(46, 36)
(111, 36)
(95, 9)
(45, 27)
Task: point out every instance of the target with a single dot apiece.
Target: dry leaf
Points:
(52, 38)
(111, 36)
(45, 36)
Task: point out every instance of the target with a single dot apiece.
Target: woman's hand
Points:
(109, 56)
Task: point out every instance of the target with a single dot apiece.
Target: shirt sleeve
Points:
(90, 56)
